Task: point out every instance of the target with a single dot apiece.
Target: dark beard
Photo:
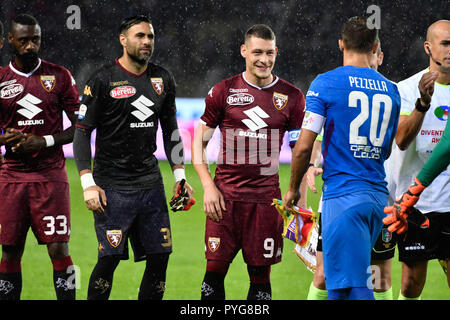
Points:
(141, 61)
(29, 60)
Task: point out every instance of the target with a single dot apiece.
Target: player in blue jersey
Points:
(358, 109)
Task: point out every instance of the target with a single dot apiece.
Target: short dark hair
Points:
(25, 19)
(127, 23)
(2, 30)
(357, 36)
(262, 31)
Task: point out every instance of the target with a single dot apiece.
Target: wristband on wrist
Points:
(49, 140)
(310, 165)
(179, 174)
(421, 108)
(87, 180)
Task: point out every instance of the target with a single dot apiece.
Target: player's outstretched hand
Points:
(401, 224)
(311, 175)
(398, 213)
(395, 220)
(95, 198)
(213, 203)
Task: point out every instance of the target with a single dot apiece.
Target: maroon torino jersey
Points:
(252, 124)
(34, 103)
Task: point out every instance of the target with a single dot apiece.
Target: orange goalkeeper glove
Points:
(180, 201)
(400, 213)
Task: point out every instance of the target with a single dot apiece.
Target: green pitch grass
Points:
(290, 278)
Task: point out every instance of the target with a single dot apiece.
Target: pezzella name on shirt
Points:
(370, 84)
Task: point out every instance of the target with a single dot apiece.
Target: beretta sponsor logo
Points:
(240, 99)
(11, 91)
(123, 92)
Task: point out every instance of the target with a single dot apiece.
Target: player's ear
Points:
(375, 48)
(10, 37)
(243, 50)
(123, 40)
(1, 43)
(341, 45)
(426, 46)
(380, 58)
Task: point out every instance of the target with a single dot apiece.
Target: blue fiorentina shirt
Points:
(361, 108)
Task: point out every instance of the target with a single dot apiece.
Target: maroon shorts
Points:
(45, 206)
(255, 228)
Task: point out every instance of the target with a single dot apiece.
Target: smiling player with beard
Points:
(124, 101)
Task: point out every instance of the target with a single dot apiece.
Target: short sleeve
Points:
(315, 97)
(70, 97)
(214, 108)
(408, 98)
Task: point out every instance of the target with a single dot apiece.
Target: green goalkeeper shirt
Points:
(438, 161)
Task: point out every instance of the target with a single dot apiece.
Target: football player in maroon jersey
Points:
(253, 110)
(34, 190)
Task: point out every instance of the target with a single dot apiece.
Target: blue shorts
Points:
(140, 216)
(350, 227)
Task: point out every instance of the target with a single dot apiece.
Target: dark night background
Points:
(199, 40)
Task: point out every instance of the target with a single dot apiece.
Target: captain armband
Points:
(313, 122)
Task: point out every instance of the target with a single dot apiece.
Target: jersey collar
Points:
(130, 73)
(26, 75)
(261, 88)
